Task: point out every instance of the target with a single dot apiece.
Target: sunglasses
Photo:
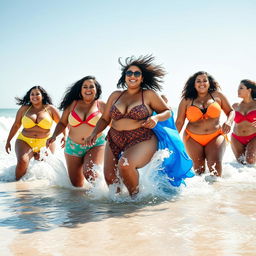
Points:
(129, 73)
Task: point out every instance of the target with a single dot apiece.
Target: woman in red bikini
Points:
(82, 110)
(204, 137)
(36, 115)
(131, 142)
(243, 139)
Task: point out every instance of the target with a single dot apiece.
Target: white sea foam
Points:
(51, 171)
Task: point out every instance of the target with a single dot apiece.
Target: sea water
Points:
(208, 216)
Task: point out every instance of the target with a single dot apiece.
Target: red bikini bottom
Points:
(244, 139)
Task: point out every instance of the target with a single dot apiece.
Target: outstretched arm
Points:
(60, 128)
(15, 127)
(159, 106)
(103, 122)
(181, 115)
(56, 117)
(229, 111)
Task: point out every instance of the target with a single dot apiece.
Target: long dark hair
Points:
(189, 91)
(250, 85)
(74, 92)
(152, 74)
(26, 99)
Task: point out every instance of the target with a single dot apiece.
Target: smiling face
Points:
(243, 91)
(202, 84)
(88, 90)
(133, 77)
(36, 96)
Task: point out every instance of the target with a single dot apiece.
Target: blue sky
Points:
(54, 43)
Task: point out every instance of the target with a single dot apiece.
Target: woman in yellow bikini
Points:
(204, 137)
(36, 115)
(82, 110)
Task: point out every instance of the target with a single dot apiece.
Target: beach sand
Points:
(221, 221)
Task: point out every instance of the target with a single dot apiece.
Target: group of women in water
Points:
(140, 122)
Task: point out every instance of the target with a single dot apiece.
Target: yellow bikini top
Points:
(45, 123)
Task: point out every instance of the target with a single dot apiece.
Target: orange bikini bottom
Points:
(204, 139)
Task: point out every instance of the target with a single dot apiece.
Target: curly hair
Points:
(189, 91)
(26, 99)
(152, 74)
(249, 84)
(74, 92)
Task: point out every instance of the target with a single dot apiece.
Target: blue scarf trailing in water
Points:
(178, 165)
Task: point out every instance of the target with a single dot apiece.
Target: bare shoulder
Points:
(150, 93)
(70, 107)
(114, 95)
(185, 102)
(235, 106)
(219, 95)
(101, 102)
(150, 96)
(22, 110)
(51, 108)
(101, 105)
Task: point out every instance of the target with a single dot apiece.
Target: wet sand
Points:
(60, 222)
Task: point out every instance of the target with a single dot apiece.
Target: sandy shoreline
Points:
(225, 225)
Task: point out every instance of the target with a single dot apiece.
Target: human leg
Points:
(75, 170)
(52, 147)
(110, 166)
(133, 158)
(196, 152)
(93, 156)
(238, 149)
(250, 152)
(23, 153)
(214, 152)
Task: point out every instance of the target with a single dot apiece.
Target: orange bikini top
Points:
(195, 113)
(74, 119)
(45, 123)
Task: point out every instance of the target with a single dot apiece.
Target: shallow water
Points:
(44, 215)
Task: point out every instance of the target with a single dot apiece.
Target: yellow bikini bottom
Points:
(34, 143)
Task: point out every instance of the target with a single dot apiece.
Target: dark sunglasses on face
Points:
(129, 73)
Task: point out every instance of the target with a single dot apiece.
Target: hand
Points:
(150, 123)
(8, 147)
(50, 141)
(226, 127)
(254, 123)
(63, 141)
(91, 140)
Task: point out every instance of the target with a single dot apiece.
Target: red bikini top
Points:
(249, 117)
(75, 120)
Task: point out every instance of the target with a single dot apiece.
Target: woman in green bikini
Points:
(81, 111)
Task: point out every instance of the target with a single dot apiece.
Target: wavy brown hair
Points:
(74, 92)
(26, 98)
(189, 91)
(249, 84)
(152, 74)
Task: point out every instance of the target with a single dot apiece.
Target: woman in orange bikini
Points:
(204, 137)
(82, 110)
(243, 139)
(131, 142)
(36, 114)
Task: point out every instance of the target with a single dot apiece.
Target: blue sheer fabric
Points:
(178, 165)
